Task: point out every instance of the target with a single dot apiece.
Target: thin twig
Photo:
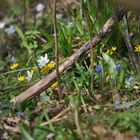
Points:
(128, 44)
(56, 51)
(88, 26)
(62, 113)
(57, 117)
(13, 71)
(41, 38)
(54, 120)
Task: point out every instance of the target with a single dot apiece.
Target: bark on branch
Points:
(47, 81)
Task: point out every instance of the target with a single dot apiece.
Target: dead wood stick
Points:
(54, 120)
(47, 81)
(127, 40)
(57, 117)
(62, 113)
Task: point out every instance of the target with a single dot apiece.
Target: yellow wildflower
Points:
(14, 66)
(137, 49)
(54, 85)
(51, 66)
(21, 78)
(110, 52)
(113, 49)
(47, 68)
(94, 63)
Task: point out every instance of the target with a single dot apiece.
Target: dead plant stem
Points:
(56, 50)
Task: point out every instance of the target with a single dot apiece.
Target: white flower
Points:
(29, 75)
(40, 7)
(2, 25)
(43, 61)
(10, 30)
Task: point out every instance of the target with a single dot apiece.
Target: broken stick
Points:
(47, 81)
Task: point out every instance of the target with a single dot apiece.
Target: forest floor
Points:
(96, 95)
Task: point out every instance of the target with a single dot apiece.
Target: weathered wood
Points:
(47, 81)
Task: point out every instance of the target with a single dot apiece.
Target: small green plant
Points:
(126, 121)
(28, 39)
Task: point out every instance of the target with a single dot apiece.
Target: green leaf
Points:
(111, 63)
(108, 59)
(26, 134)
(20, 33)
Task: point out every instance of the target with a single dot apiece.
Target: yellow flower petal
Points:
(14, 66)
(137, 49)
(54, 85)
(51, 65)
(21, 78)
(47, 68)
(94, 63)
(113, 48)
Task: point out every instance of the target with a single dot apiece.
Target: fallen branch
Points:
(127, 40)
(47, 81)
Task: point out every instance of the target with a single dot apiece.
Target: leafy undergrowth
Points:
(99, 99)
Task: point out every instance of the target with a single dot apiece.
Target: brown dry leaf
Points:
(90, 109)
(98, 97)
(116, 97)
(12, 124)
